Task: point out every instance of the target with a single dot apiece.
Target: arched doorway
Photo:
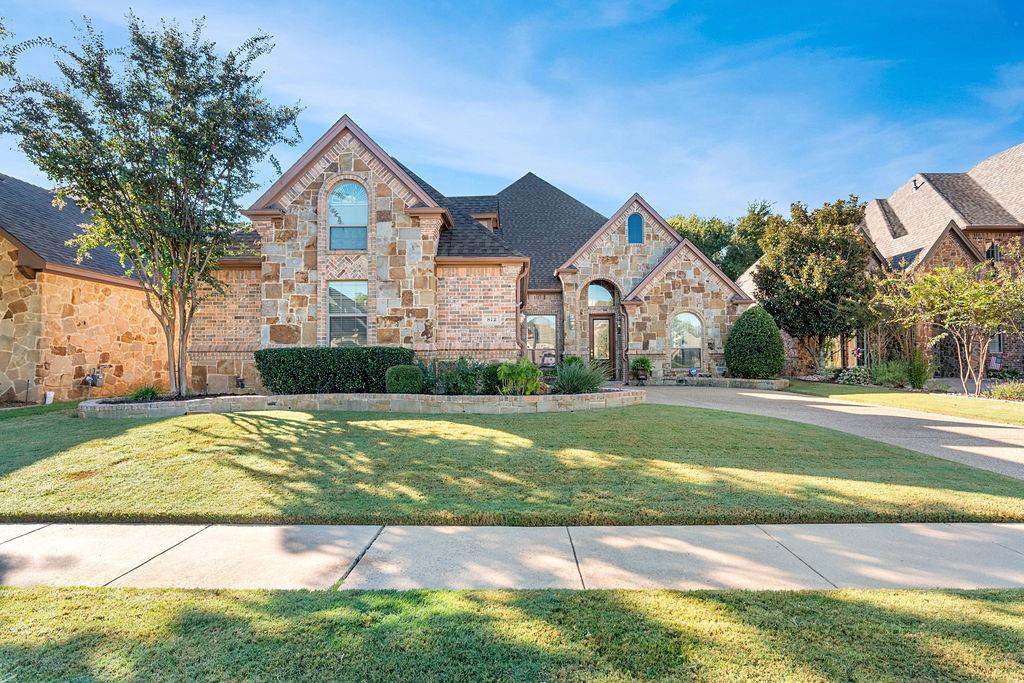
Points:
(603, 326)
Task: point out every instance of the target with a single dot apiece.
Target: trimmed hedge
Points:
(328, 370)
(754, 348)
(404, 379)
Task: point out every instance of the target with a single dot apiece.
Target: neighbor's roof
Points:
(27, 214)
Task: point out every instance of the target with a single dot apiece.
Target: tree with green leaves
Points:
(157, 141)
(732, 246)
(969, 306)
(812, 278)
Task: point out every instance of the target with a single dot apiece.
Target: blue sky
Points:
(699, 106)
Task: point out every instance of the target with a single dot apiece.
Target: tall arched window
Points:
(686, 336)
(994, 253)
(598, 295)
(348, 213)
(635, 228)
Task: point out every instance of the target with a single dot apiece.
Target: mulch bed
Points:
(160, 399)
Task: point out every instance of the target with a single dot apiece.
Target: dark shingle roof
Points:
(896, 227)
(545, 223)
(481, 203)
(904, 260)
(28, 214)
(467, 236)
(969, 198)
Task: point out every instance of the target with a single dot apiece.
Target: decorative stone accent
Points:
(388, 403)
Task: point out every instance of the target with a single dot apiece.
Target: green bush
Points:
(641, 363)
(1008, 391)
(856, 376)
(569, 359)
(146, 393)
(521, 378)
(490, 385)
(404, 379)
(754, 347)
(918, 370)
(457, 378)
(1007, 373)
(890, 373)
(578, 378)
(328, 370)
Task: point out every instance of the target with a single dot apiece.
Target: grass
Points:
(943, 404)
(640, 465)
(56, 407)
(107, 634)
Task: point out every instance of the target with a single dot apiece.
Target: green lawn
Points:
(104, 634)
(944, 404)
(638, 465)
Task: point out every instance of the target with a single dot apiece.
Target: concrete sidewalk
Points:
(987, 445)
(769, 557)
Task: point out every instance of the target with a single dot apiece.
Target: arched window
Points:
(686, 335)
(348, 213)
(635, 228)
(598, 295)
(994, 253)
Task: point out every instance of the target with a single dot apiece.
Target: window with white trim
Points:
(347, 313)
(348, 212)
(995, 345)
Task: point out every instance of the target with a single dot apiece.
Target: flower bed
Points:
(398, 403)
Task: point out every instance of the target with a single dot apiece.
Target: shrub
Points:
(325, 369)
(754, 347)
(641, 363)
(490, 385)
(457, 378)
(890, 373)
(918, 370)
(1008, 391)
(404, 379)
(521, 378)
(1007, 373)
(856, 376)
(578, 378)
(569, 359)
(146, 393)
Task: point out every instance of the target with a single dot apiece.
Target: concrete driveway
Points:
(987, 445)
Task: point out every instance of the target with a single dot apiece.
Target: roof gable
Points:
(276, 194)
(628, 207)
(685, 247)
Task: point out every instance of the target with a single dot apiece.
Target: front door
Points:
(602, 342)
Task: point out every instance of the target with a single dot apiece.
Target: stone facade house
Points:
(947, 219)
(351, 247)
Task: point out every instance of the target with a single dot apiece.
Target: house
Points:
(947, 219)
(349, 246)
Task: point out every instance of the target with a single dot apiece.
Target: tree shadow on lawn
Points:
(440, 469)
(650, 464)
(514, 635)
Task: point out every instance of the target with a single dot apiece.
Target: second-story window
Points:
(635, 228)
(993, 253)
(348, 213)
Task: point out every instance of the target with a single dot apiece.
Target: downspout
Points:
(521, 288)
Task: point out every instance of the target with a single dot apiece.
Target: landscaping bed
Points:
(645, 464)
(116, 634)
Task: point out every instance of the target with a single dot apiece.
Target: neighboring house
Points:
(351, 247)
(948, 219)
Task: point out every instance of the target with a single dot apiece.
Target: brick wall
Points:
(225, 332)
(477, 311)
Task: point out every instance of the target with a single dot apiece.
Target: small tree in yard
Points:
(812, 278)
(967, 305)
(158, 141)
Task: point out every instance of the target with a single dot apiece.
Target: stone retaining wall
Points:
(733, 383)
(398, 403)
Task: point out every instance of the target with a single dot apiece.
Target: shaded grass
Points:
(175, 635)
(641, 465)
(943, 404)
(57, 407)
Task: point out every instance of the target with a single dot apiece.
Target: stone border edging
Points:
(734, 383)
(397, 403)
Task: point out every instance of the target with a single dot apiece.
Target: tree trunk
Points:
(172, 366)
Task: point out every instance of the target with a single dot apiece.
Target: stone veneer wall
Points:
(225, 333)
(612, 259)
(477, 313)
(86, 324)
(687, 285)
(398, 264)
(20, 327)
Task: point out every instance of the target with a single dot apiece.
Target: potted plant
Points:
(641, 368)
